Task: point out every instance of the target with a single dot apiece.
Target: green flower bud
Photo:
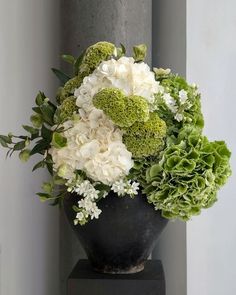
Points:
(24, 155)
(140, 52)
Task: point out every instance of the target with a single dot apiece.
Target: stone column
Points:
(84, 22)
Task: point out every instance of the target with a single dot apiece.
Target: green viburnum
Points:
(66, 110)
(144, 139)
(189, 110)
(94, 55)
(123, 110)
(187, 177)
(69, 88)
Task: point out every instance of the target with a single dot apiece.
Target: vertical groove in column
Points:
(84, 22)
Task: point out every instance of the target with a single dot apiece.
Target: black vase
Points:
(124, 235)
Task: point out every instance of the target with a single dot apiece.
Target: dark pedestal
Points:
(84, 281)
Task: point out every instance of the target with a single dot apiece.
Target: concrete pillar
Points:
(169, 51)
(84, 22)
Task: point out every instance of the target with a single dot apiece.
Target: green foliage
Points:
(63, 78)
(66, 110)
(94, 55)
(191, 110)
(58, 140)
(187, 177)
(122, 110)
(140, 52)
(24, 155)
(144, 139)
(69, 88)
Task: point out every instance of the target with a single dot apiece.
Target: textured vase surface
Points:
(123, 237)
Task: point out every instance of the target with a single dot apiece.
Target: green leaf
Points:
(6, 139)
(39, 148)
(140, 52)
(61, 76)
(37, 110)
(36, 120)
(68, 58)
(79, 62)
(48, 111)
(3, 143)
(43, 196)
(30, 129)
(58, 140)
(47, 187)
(50, 167)
(46, 133)
(154, 170)
(40, 98)
(123, 48)
(24, 155)
(19, 145)
(38, 165)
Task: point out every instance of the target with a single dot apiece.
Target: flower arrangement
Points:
(118, 125)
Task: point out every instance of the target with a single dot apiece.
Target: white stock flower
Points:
(94, 145)
(183, 96)
(170, 102)
(125, 74)
(123, 186)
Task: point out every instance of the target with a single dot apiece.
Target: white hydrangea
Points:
(94, 145)
(125, 74)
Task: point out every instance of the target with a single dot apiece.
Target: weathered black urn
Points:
(123, 237)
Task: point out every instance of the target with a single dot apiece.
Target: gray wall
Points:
(28, 229)
(169, 51)
(211, 63)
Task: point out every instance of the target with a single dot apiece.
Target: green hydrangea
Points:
(66, 110)
(144, 139)
(69, 88)
(187, 177)
(94, 55)
(190, 110)
(122, 110)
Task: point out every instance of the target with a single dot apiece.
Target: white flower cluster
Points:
(173, 106)
(87, 206)
(94, 145)
(125, 74)
(125, 187)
